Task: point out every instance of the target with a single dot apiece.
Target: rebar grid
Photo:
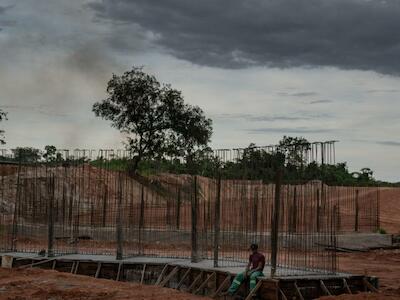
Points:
(76, 206)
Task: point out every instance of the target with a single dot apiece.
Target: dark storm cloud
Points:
(5, 22)
(348, 34)
(3, 9)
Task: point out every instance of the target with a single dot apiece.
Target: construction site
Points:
(190, 232)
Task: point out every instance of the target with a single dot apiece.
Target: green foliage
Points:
(293, 149)
(154, 116)
(26, 154)
(254, 164)
(50, 154)
(3, 116)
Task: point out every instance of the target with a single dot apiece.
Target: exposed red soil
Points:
(37, 284)
(390, 210)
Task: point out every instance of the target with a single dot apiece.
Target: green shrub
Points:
(381, 231)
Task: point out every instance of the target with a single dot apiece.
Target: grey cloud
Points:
(383, 91)
(299, 116)
(43, 109)
(388, 143)
(299, 94)
(348, 34)
(320, 102)
(282, 130)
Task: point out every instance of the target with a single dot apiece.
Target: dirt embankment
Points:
(390, 210)
(37, 284)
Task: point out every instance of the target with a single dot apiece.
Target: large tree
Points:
(155, 117)
(3, 116)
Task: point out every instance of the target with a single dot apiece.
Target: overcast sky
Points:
(261, 69)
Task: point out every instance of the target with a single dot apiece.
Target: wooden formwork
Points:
(206, 282)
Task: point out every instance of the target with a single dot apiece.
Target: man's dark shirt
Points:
(255, 260)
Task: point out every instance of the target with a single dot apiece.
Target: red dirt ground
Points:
(385, 264)
(37, 284)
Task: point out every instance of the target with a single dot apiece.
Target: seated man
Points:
(253, 270)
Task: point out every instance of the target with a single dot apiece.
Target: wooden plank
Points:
(370, 286)
(32, 264)
(205, 282)
(76, 267)
(282, 294)
(161, 275)
(183, 278)
(346, 286)
(324, 288)
(222, 286)
(98, 270)
(169, 276)
(195, 281)
(119, 271)
(298, 291)
(73, 267)
(143, 272)
(254, 291)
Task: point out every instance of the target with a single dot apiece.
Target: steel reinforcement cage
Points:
(82, 204)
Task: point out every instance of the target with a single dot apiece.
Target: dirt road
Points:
(37, 284)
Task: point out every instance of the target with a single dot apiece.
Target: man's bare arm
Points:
(259, 268)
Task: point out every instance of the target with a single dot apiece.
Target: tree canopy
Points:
(154, 116)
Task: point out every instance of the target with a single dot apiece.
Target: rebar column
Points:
(356, 215)
(119, 219)
(275, 222)
(217, 222)
(178, 209)
(141, 220)
(194, 205)
(50, 216)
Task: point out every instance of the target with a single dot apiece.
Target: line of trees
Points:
(160, 125)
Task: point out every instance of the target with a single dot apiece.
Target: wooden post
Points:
(119, 219)
(194, 206)
(50, 218)
(356, 212)
(217, 222)
(275, 222)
